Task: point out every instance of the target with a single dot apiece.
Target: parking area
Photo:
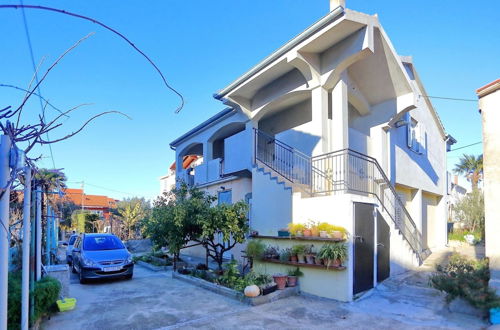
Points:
(153, 300)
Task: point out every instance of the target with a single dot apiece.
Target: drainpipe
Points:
(38, 243)
(26, 249)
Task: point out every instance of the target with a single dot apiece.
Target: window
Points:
(97, 243)
(415, 134)
(225, 197)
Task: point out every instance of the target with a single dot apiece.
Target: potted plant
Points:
(255, 249)
(317, 260)
(324, 228)
(293, 274)
(285, 255)
(283, 232)
(299, 251)
(268, 288)
(309, 254)
(296, 229)
(338, 232)
(313, 226)
(272, 252)
(333, 254)
(280, 280)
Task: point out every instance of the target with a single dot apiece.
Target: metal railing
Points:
(340, 171)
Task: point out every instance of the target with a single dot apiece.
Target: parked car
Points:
(69, 247)
(101, 256)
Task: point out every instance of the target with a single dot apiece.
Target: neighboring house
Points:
(456, 193)
(167, 182)
(100, 205)
(489, 105)
(331, 127)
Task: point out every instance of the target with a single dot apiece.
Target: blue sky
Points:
(201, 46)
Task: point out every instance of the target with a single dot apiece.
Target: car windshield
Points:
(72, 240)
(95, 243)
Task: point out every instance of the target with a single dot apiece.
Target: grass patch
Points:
(458, 235)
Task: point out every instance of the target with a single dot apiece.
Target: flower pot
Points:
(307, 233)
(293, 258)
(300, 258)
(315, 232)
(310, 258)
(323, 234)
(280, 281)
(318, 261)
(269, 289)
(337, 235)
(292, 281)
(332, 263)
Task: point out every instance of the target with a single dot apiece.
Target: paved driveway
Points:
(154, 300)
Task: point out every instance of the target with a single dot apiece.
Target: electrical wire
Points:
(28, 38)
(448, 98)
(105, 188)
(469, 145)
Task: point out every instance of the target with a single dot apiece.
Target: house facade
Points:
(331, 127)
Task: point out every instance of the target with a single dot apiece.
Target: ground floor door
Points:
(364, 232)
(383, 249)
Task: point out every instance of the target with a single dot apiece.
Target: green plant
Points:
(299, 249)
(272, 252)
(471, 167)
(285, 254)
(295, 272)
(295, 227)
(255, 249)
(46, 293)
(467, 279)
(470, 211)
(253, 278)
(231, 277)
(458, 235)
(333, 251)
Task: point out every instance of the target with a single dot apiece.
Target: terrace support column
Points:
(340, 116)
(320, 120)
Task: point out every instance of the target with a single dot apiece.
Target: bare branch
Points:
(60, 11)
(82, 127)
(38, 95)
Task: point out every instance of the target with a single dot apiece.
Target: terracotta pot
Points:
(293, 258)
(315, 232)
(318, 261)
(292, 281)
(280, 281)
(337, 234)
(310, 258)
(323, 234)
(307, 233)
(300, 258)
(332, 263)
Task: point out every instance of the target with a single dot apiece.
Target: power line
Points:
(105, 188)
(448, 98)
(28, 38)
(469, 145)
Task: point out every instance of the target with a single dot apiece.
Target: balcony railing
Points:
(340, 171)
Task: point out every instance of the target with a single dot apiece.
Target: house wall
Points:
(271, 204)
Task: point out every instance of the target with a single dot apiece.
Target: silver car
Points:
(69, 248)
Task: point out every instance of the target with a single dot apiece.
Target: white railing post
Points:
(38, 227)
(5, 147)
(26, 249)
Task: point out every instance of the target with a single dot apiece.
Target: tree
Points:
(471, 167)
(84, 221)
(226, 226)
(470, 210)
(132, 211)
(187, 214)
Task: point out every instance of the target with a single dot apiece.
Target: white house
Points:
(333, 126)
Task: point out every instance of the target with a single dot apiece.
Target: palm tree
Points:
(471, 167)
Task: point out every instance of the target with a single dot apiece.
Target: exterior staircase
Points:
(343, 171)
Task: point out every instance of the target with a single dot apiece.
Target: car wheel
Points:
(82, 279)
(129, 276)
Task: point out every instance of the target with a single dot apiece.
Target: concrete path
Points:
(154, 300)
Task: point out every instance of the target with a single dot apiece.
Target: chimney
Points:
(336, 3)
(455, 180)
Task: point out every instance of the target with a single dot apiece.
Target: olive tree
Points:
(470, 210)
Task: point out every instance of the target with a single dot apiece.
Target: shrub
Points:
(467, 279)
(458, 235)
(45, 294)
(255, 249)
(470, 211)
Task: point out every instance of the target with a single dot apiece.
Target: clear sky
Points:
(201, 46)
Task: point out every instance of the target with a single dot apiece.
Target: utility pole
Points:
(26, 249)
(5, 146)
